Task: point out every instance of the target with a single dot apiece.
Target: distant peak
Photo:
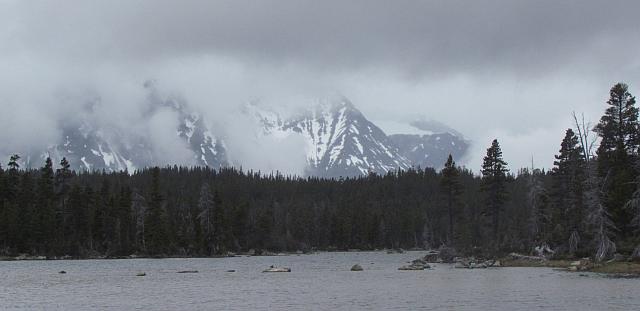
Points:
(334, 103)
(434, 126)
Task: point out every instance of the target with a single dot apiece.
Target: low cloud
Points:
(511, 69)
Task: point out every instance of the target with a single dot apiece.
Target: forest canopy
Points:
(588, 204)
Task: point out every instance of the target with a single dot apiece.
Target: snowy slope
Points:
(340, 141)
(110, 149)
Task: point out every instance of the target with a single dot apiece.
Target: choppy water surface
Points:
(318, 282)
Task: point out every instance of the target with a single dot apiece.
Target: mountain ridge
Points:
(339, 140)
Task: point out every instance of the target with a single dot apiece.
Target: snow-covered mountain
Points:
(341, 141)
(430, 150)
(89, 148)
(430, 143)
(338, 140)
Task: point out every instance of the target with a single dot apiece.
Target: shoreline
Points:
(24, 257)
(611, 268)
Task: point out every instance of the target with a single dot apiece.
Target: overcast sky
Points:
(512, 70)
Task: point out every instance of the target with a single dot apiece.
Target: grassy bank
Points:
(540, 263)
(618, 268)
(606, 267)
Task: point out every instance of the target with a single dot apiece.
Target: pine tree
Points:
(155, 227)
(62, 186)
(568, 183)
(45, 219)
(618, 129)
(9, 230)
(100, 215)
(25, 213)
(76, 227)
(539, 217)
(494, 179)
(450, 186)
(205, 216)
(124, 220)
(11, 191)
(219, 224)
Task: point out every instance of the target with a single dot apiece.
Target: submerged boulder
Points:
(276, 269)
(415, 267)
(356, 267)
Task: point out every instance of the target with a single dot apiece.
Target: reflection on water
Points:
(318, 282)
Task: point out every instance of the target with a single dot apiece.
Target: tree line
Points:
(588, 204)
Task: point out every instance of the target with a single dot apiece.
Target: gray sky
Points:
(511, 69)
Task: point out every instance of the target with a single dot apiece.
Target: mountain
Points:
(89, 148)
(341, 141)
(338, 140)
(430, 150)
(430, 144)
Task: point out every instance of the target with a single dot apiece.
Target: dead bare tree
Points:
(599, 217)
(587, 139)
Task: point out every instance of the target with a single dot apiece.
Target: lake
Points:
(319, 281)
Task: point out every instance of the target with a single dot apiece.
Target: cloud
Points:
(432, 38)
(168, 148)
(513, 68)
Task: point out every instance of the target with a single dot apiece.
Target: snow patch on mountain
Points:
(340, 141)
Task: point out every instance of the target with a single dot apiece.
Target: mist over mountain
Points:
(333, 136)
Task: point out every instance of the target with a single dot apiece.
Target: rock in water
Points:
(274, 269)
(413, 267)
(356, 267)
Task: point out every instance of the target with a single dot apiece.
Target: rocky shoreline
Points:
(617, 266)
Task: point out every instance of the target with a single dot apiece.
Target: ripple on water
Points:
(318, 282)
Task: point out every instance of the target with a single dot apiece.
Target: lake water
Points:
(317, 282)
